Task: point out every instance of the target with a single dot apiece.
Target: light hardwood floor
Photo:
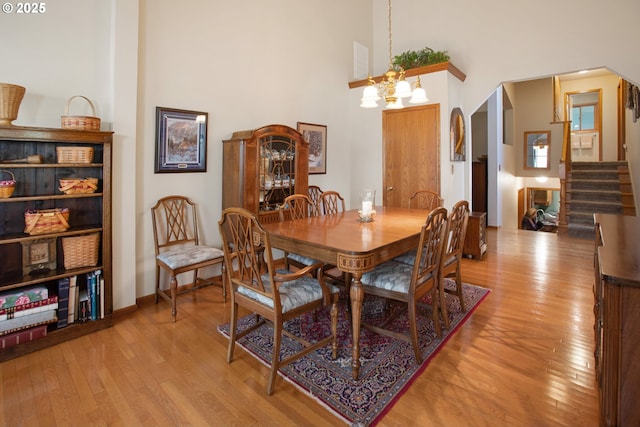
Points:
(525, 358)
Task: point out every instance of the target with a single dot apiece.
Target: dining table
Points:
(353, 246)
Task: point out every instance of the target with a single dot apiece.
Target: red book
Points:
(23, 336)
(29, 308)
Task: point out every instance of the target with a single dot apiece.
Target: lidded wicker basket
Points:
(7, 186)
(80, 122)
(10, 98)
(81, 251)
(74, 154)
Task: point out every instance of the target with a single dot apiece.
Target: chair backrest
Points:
(458, 219)
(331, 202)
(298, 206)
(244, 243)
(175, 222)
(314, 192)
(432, 240)
(425, 199)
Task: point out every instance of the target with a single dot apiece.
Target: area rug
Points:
(388, 365)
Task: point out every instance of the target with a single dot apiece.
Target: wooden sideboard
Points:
(617, 318)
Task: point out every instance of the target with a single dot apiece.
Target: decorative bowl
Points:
(365, 217)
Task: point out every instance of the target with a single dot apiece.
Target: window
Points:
(536, 149)
(583, 117)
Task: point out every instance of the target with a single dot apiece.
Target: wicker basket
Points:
(7, 186)
(81, 251)
(74, 154)
(78, 185)
(10, 99)
(80, 122)
(46, 221)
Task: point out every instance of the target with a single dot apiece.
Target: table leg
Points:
(356, 293)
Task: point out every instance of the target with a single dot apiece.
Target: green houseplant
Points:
(419, 58)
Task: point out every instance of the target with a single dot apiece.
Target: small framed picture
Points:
(316, 136)
(39, 256)
(181, 140)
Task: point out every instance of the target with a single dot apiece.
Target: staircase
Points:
(596, 187)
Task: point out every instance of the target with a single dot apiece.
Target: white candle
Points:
(366, 207)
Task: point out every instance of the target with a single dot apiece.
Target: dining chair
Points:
(425, 199)
(408, 284)
(314, 192)
(175, 234)
(330, 202)
(452, 255)
(273, 295)
(297, 206)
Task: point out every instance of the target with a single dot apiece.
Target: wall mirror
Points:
(536, 151)
(458, 148)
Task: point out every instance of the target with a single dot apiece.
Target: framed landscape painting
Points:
(181, 140)
(316, 136)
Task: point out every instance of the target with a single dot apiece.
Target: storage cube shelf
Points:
(37, 188)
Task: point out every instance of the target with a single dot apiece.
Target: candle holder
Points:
(367, 212)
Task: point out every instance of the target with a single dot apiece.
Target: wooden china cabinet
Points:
(263, 166)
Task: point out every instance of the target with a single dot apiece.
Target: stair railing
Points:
(564, 170)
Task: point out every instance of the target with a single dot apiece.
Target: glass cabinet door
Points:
(276, 171)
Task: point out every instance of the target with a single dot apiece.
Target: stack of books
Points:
(25, 314)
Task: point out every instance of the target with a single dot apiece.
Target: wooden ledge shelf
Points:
(443, 66)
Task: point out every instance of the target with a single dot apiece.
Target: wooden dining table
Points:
(355, 247)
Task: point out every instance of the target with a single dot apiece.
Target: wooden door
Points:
(411, 143)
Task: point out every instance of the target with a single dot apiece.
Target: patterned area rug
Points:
(388, 365)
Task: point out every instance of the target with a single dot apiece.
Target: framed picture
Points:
(181, 140)
(316, 136)
(39, 256)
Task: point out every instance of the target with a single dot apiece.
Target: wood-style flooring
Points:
(524, 358)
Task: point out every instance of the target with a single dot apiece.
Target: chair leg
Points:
(233, 324)
(275, 359)
(223, 275)
(437, 309)
(334, 329)
(443, 303)
(459, 288)
(157, 282)
(413, 330)
(174, 296)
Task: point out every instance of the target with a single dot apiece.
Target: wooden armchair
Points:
(175, 234)
(274, 296)
(331, 202)
(314, 192)
(297, 206)
(410, 283)
(452, 254)
(425, 199)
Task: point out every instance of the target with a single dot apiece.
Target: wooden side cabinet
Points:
(475, 241)
(261, 167)
(33, 156)
(617, 318)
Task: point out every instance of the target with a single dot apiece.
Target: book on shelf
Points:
(23, 336)
(63, 301)
(73, 299)
(29, 308)
(24, 295)
(101, 291)
(16, 324)
(83, 306)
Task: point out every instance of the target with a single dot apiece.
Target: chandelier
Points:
(393, 87)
